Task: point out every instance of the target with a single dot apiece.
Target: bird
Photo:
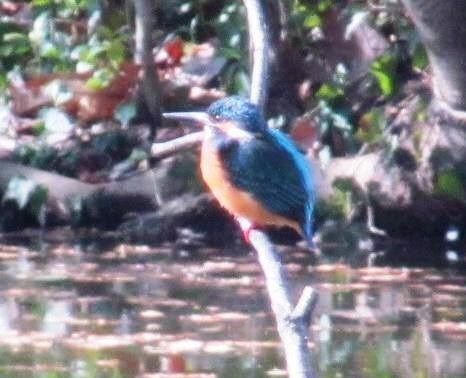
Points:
(256, 173)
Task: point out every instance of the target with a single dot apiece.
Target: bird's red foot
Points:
(246, 234)
(246, 226)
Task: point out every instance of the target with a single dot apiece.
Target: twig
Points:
(284, 13)
(370, 222)
(291, 322)
(164, 149)
(149, 87)
(305, 306)
(257, 27)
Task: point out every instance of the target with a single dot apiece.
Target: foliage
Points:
(344, 99)
(48, 158)
(103, 53)
(308, 15)
(63, 37)
(27, 195)
(384, 70)
(449, 183)
(371, 126)
(348, 83)
(198, 21)
(15, 49)
(376, 363)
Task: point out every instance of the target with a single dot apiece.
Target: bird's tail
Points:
(307, 232)
(308, 238)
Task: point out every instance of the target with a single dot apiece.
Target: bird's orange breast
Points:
(238, 202)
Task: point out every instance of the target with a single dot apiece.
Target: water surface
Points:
(92, 306)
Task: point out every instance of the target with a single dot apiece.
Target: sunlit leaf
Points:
(371, 126)
(324, 5)
(383, 70)
(125, 113)
(57, 125)
(50, 51)
(59, 91)
(100, 79)
(329, 92)
(14, 44)
(313, 21)
(116, 52)
(186, 7)
(26, 194)
(39, 128)
(40, 29)
(42, 3)
(15, 37)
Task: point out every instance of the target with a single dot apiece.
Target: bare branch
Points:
(284, 13)
(259, 43)
(291, 323)
(164, 149)
(305, 306)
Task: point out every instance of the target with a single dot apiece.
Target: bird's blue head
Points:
(233, 117)
(239, 111)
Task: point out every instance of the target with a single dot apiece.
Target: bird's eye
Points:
(218, 117)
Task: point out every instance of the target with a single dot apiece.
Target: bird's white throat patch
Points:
(232, 130)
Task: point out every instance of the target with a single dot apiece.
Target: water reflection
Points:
(71, 310)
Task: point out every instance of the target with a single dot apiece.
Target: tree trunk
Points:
(149, 86)
(442, 28)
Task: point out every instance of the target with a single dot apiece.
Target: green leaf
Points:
(42, 3)
(56, 121)
(420, 59)
(25, 193)
(383, 70)
(137, 155)
(125, 113)
(450, 184)
(3, 81)
(324, 5)
(39, 128)
(14, 44)
(116, 52)
(50, 51)
(15, 37)
(241, 83)
(230, 53)
(371, 126)
(329, 93)
(312, 21)
(6, 50)
(100, 79)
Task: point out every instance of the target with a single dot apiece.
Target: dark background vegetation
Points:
(82, 85)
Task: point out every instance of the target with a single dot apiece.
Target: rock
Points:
(198, 212)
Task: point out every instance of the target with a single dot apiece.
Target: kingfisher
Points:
(256, 173)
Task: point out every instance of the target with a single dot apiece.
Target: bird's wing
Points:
(274, 174)
(307, 177)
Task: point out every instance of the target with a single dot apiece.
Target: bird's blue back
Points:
(276, 173)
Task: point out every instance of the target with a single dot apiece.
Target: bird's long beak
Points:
(198, 118)
(203, 119)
